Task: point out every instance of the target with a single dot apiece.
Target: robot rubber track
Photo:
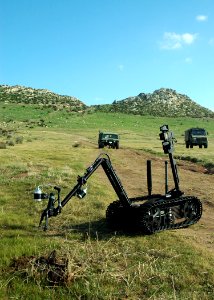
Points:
(154, 215)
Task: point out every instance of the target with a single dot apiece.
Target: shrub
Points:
(19, 139)
(3, 145)
(10, 143)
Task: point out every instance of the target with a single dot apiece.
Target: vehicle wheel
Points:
(117, 145)
(191, 146)
(200, 146)
(190, 210)
(152, 220)
(101, 145)
(205, 146)
(187, 145)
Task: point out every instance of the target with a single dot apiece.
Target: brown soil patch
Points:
(21, 175)
(52, 270)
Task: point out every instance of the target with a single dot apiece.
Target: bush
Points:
(3, 145)
(19, 139)
(10, 143)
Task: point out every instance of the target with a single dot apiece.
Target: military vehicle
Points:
(108, 139)
(146, 214)
(196, 137)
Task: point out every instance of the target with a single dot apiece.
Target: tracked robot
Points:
(145, 214)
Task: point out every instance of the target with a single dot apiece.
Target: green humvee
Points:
(108, 139)
(196, 137)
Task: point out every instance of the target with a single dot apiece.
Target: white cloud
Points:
(172, 40)
(201, 18)
(121, 67)
(211, 41)
(188, 38)
(188, 60)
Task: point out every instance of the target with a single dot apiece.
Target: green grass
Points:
(101, 264)
(139, 132)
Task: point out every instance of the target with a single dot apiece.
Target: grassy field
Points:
(79, 257)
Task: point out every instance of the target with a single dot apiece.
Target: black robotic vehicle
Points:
(145, 214)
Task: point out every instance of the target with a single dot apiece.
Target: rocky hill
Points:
(26, 95)
(162, 102)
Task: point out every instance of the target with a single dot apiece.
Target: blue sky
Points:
(105, 50)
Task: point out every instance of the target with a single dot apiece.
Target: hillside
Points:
(27, 95)
(162, 102)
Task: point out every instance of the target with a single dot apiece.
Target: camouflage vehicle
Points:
(196, 137)
(108, 139)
